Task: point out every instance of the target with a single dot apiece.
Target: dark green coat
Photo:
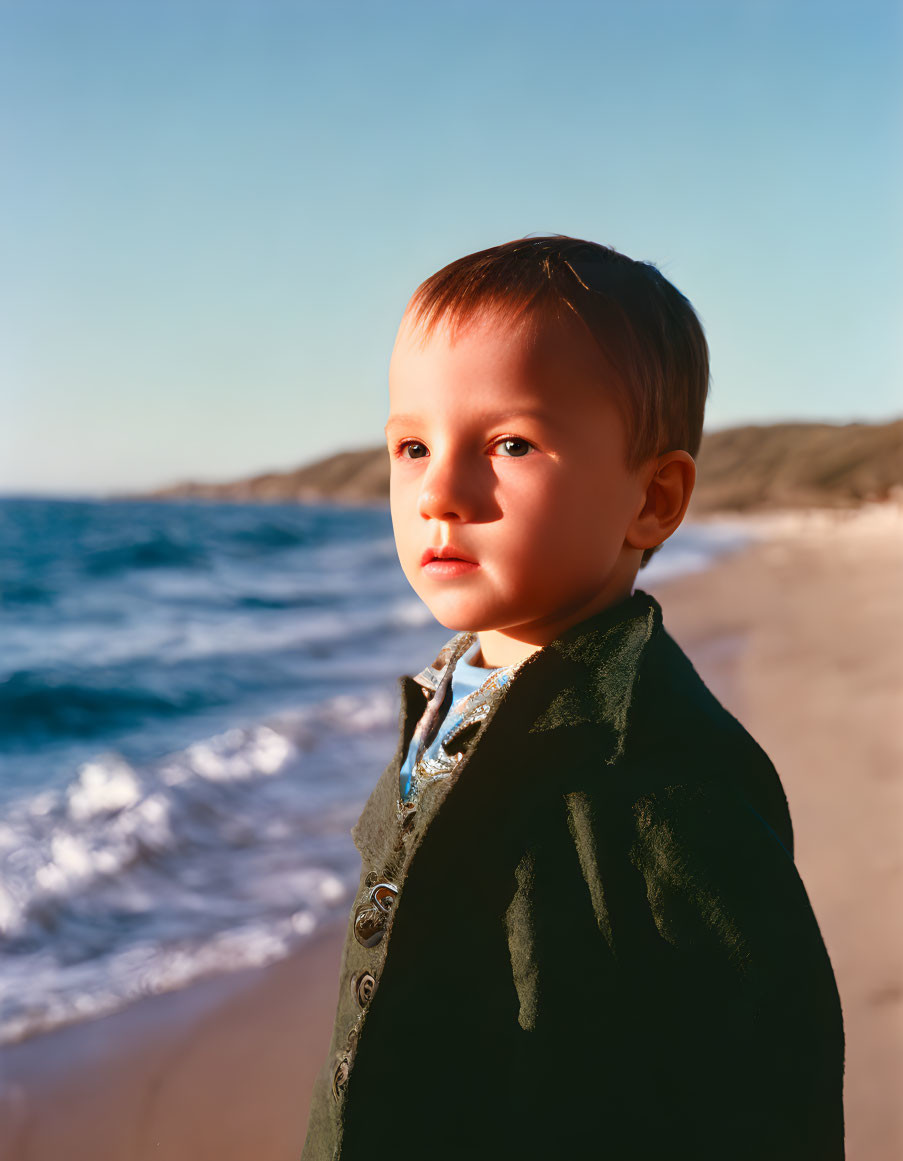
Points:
(600, 945)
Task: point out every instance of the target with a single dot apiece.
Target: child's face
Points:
(506, 445)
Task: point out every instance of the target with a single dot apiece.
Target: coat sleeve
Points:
(676, 997)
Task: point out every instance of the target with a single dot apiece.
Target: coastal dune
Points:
(801, 636)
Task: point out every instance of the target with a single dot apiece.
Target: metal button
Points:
(340, 1079)
(383, 895)
(369, 925)
(362, 988)
(371, 917)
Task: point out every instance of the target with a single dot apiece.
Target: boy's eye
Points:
(417, 450)
(514, 447)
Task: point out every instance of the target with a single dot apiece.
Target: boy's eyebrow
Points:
(486, 417)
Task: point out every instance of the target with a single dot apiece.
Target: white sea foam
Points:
(135, 880)
(103, 786)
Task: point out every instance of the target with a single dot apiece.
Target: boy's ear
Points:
(669, 484)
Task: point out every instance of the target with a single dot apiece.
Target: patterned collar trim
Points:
(451, 652)
(437, 679)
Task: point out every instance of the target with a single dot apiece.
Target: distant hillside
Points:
(789, 465)
(777, 465)
(350, 477)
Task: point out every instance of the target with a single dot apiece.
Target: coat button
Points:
(340, 1079)
(408, 810)
(369, 925)
(371, 917)
(363, 987)
(383, 895)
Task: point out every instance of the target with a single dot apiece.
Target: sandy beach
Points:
(801, 637)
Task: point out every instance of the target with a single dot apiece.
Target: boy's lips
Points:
(446, 552)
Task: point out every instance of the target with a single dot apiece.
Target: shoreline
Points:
(800, 635)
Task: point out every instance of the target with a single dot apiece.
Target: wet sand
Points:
(801, 636)
(220, 1071)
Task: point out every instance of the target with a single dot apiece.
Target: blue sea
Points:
(195, 701)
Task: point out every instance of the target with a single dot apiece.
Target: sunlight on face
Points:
(506, 447)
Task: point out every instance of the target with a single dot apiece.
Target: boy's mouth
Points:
(446, 552)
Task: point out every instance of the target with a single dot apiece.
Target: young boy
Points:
(579, 930)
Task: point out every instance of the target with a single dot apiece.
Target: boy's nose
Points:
(447, 493)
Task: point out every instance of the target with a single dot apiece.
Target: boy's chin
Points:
(465, 619)
(458, 620)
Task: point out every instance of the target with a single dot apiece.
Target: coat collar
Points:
(587, 678)
(589, 671)
(598, 661)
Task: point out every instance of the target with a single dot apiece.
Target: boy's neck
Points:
(508, 646)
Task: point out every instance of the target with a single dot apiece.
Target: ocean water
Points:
(195, 701)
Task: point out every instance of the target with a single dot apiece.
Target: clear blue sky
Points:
(212, 212)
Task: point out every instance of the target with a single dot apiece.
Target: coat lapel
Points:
(377, 822)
